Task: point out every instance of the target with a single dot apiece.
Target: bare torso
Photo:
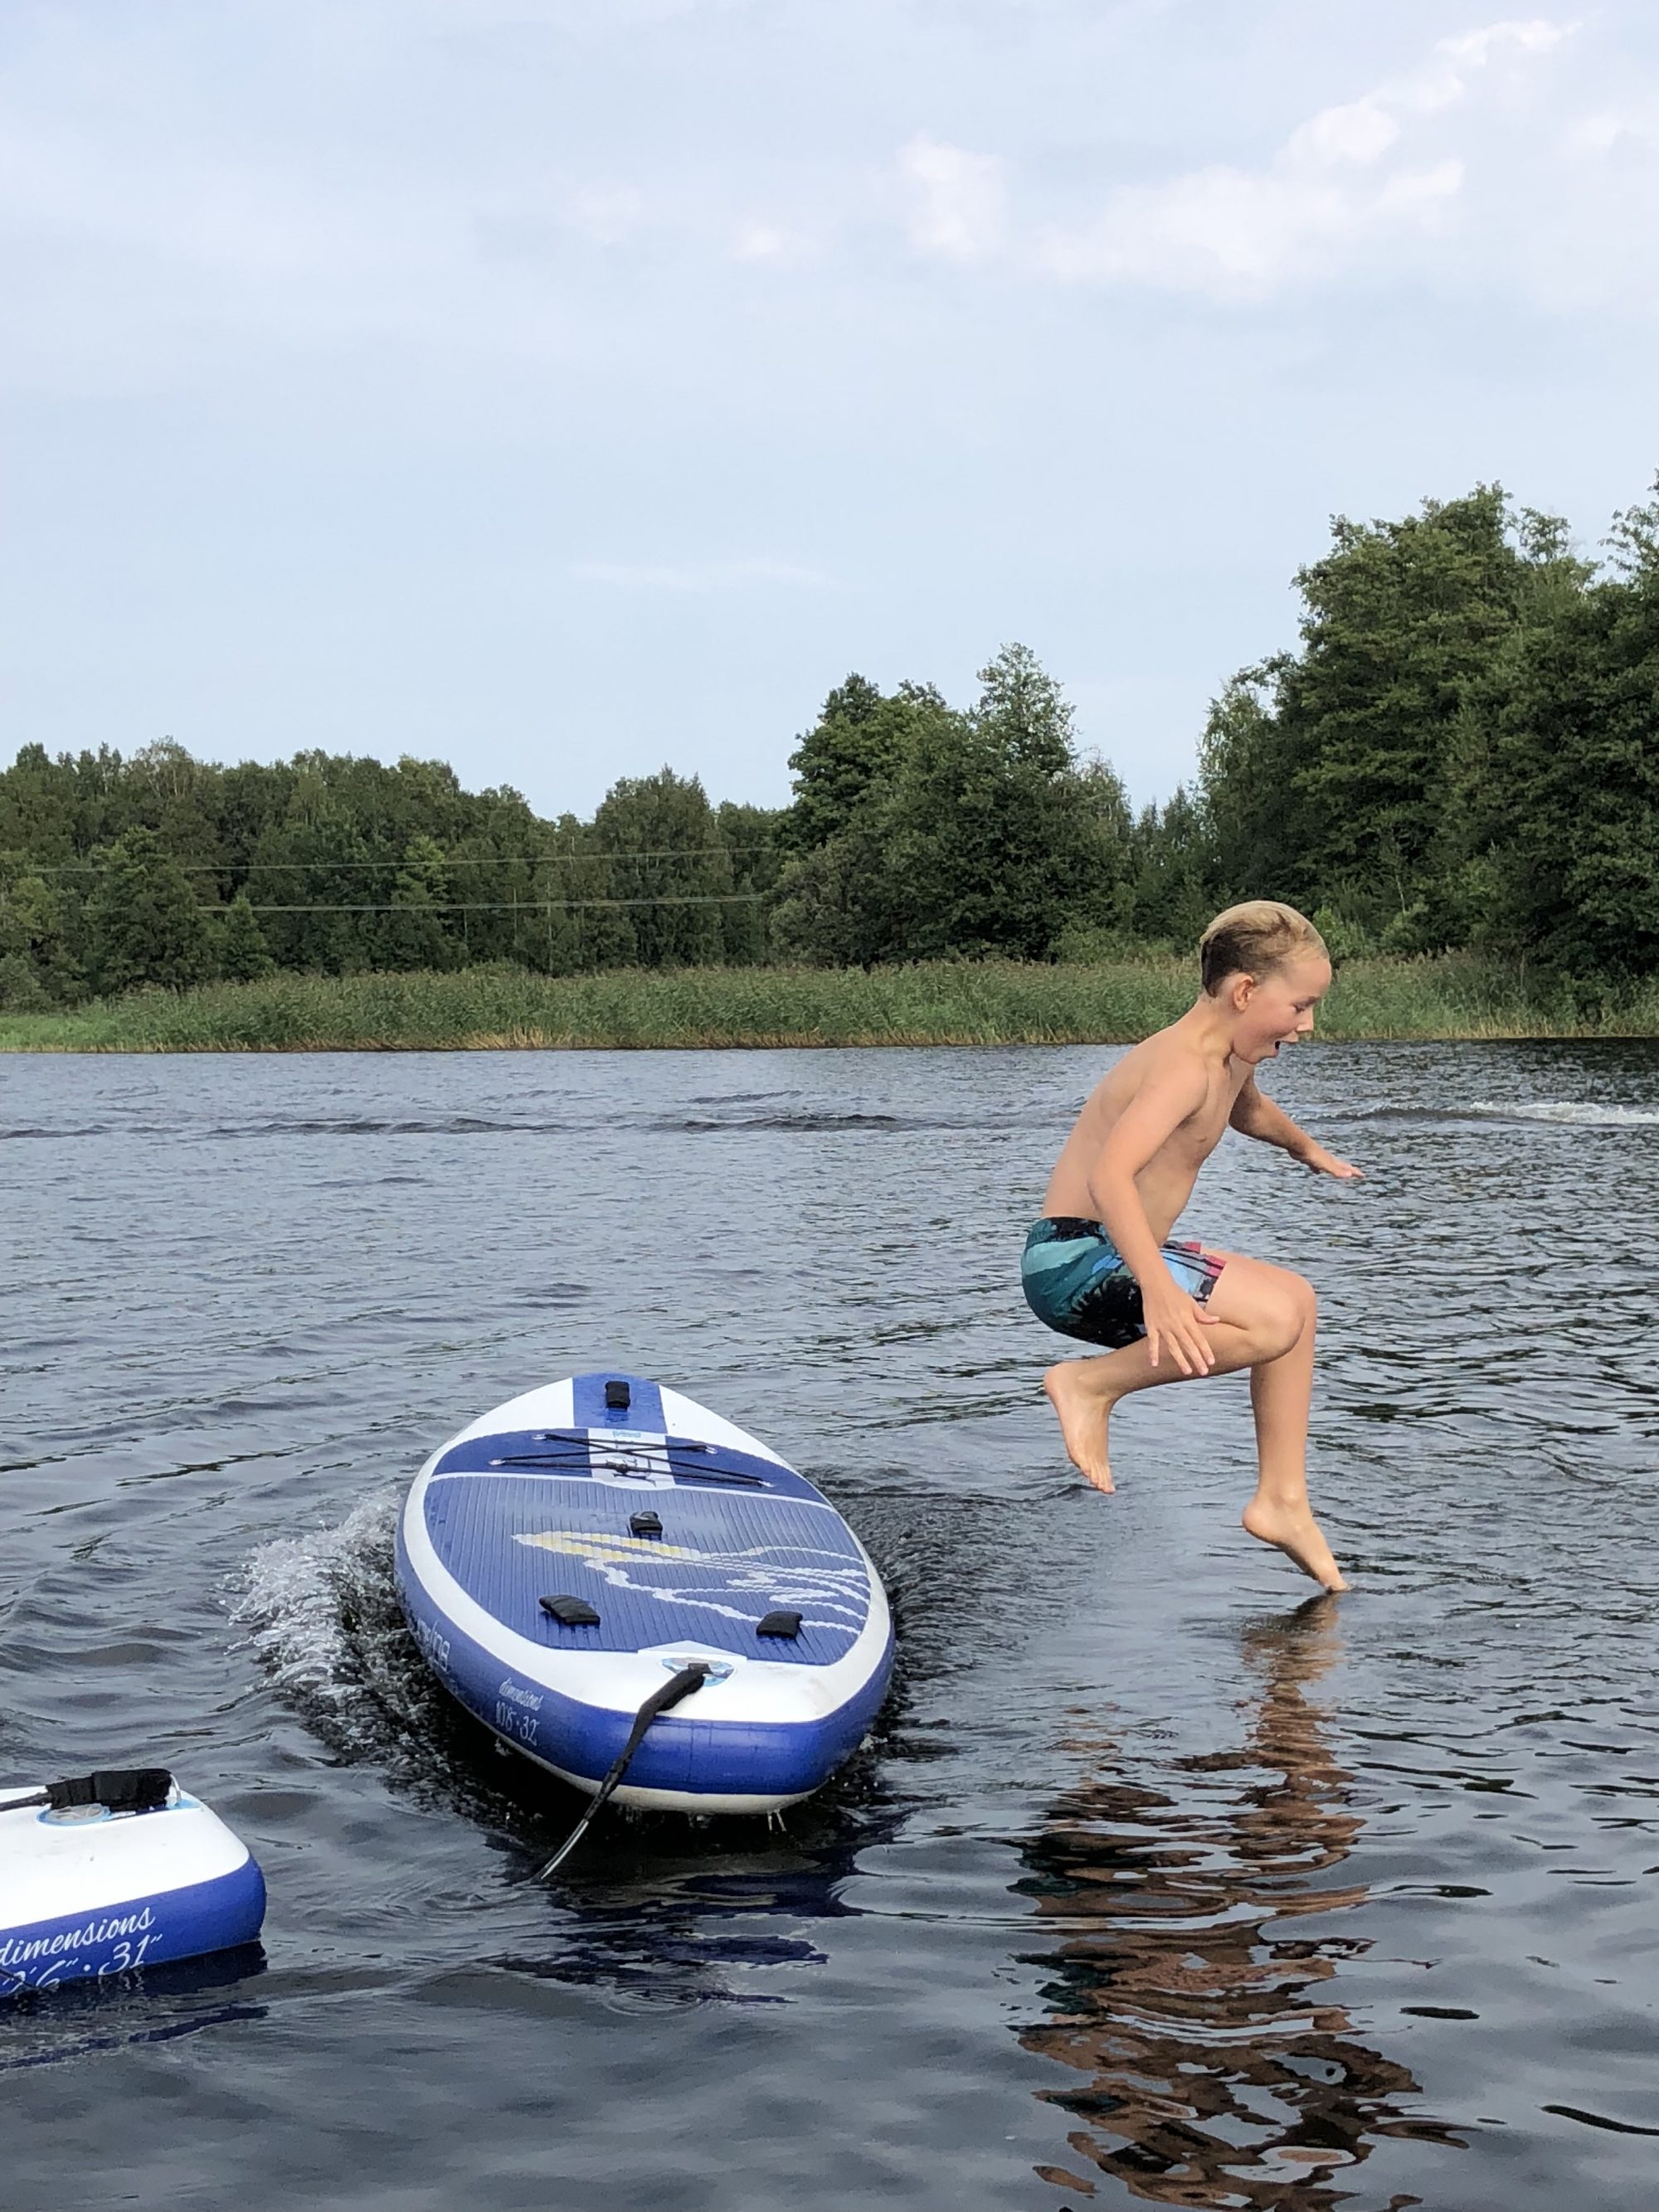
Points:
(1165, 1183)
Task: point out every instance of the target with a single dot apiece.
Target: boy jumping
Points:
(1100, 1264)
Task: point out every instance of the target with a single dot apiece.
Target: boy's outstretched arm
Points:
(1253, 1116)
(1174, 1321)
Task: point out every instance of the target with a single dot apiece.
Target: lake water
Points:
(1159, 1882)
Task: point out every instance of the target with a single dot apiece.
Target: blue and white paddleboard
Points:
(685, 1540)
(86, 1892)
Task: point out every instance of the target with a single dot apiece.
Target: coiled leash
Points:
(691, 1676)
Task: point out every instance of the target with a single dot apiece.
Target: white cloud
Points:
(772, 245)
(1445, 80)
(1599, 133)
(959, 200)
(1361, 131)
(1417, 190)
(1477, 47)
(581, 17)
(1595, 134)
(1329, 191)
(700, 576)
(1216, 229)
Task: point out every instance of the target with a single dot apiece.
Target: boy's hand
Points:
(1318, 1161)
(1176, 1323)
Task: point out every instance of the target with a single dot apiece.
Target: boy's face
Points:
(1277, 1007)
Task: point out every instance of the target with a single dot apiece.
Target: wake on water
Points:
(1574, 1113)
(321, 1611)
(1561, 1113)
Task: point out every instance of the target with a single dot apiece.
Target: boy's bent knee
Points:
(1298, 1305)
(1282, 1326)
(1275, 1305)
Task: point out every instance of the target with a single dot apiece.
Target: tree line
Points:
(1463, 749)
(159, 869)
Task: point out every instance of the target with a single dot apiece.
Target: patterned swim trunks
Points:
(1076, 1280)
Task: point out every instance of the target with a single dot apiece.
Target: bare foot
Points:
(1083, 1413)
(1295, 1532)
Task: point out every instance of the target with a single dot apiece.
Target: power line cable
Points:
(449, 861)
(525, 905)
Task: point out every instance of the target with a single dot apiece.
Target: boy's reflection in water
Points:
(1182, 1991)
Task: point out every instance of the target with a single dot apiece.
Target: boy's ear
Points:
(1241, 990)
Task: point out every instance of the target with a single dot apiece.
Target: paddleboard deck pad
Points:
(87, 1891)
(563, 1557)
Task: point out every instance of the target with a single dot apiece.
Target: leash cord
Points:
(691, 1677)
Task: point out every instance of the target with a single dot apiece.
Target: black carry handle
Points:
(118, 1789)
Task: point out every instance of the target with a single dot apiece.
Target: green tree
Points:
(667, 862)
(548, 933)
(989, 850)
(315, 875)
(21, 991)
(493, 877)
(1246, 770)
(1331, 776)
(983, 837)
(250, 800)
(750, 836)
(1572, 800)
(165, 789)
(585, 931)
(1171, 898)
(838, 902)
(417, 932)
(834, 905)
(851, 749)
(243, 956)
(147, 924)
(35, 935)
(38, 797)
(1025, 714)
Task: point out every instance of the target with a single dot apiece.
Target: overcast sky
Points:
(562, 386)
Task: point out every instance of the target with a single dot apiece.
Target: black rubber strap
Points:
(119, 1789)
(691, 1676)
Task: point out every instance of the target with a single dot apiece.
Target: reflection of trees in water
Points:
(1216, 2077)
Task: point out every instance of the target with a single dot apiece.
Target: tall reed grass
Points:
(943, 1002)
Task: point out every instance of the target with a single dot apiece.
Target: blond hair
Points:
(1254, 939)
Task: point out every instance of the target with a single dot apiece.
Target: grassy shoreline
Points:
(1455, 996)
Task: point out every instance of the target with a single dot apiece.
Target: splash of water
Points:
(1582, 1113)
(321, 1611)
